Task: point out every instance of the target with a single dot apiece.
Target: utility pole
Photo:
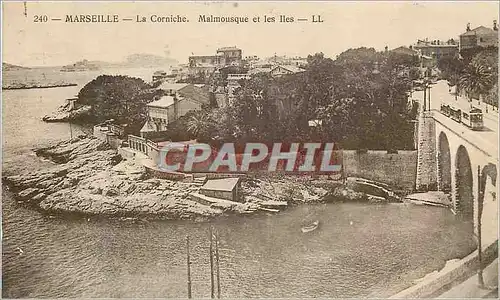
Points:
(429, 97)
(479, 233)
(188, 268)
(212, 287)
(425, 95)
(217, 263)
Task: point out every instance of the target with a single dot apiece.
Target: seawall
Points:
(455, 272)
(397, 170)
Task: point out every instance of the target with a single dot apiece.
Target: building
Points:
(227, 188)
(159, 76)
(230, 56)
(249, 61)
(233, 82)
(110, 132)
(279, 71)
(298, 62)
(179, 72)
(172, 89)
(207, 64)
(260, 70)
(169, 108)
(436, 49)
(479, 37)
(203, 64)
(406, 51)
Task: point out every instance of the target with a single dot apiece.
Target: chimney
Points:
(495, 25)
(468, 27)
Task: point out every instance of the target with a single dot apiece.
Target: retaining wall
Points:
(444, 279)
(397, 170)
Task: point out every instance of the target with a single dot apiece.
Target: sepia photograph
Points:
(250, 149)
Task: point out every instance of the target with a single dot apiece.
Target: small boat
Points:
(311, 227)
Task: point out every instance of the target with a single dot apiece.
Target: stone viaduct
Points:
(451, 158)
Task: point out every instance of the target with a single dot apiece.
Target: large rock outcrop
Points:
(90, 178)
(65, 114)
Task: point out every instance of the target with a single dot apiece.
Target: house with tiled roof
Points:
(281, 70)
(231, 55)
(405, 50)
(436, 49)
(169, 108)
(479, 37)
(207, 64)
(171, 88)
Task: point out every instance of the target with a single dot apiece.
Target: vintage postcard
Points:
(250, 149)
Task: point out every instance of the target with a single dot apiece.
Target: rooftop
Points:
(290, 68)
(226, 184)
(172, 86)
(228, 48)
(195, 93)
(164, 102)
(259, 70)
(405, 50)
(479, 30)
(202, 55)
(148, 126)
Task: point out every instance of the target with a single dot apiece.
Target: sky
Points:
(346, 25)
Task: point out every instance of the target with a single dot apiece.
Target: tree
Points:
(492, 97)
(121, 98)
(450, 65)
(476, 80)
(358, 107)
(200, 125)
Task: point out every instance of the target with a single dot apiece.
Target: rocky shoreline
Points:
(90, 178)
(65, 114)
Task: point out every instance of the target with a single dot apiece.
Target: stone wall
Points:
(434, 285)
(113, 140)
(397, 170)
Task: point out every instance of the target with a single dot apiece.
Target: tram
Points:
(472, 118)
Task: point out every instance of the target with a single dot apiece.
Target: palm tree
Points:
(477, 79)
(198, 124)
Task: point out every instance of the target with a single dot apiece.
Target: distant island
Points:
(20, 78)
(139, 60)
(10, 67)
(83, 65)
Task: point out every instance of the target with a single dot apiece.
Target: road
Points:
(470, 288)
(487, 139)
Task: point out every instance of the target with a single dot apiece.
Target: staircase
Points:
(199, 181)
